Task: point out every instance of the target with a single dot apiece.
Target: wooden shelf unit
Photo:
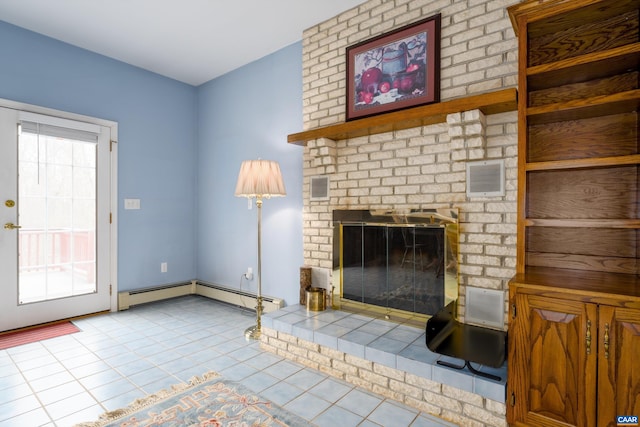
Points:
(578, 131)
(577, 285)
(489, 103)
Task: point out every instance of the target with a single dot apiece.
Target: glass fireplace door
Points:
(394, 267)
(387, 261)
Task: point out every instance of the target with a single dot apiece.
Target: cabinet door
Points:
(618, 367)
(555, 362)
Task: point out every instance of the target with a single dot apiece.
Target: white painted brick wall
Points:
(425, 166)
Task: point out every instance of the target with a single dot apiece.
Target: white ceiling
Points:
(192, 41)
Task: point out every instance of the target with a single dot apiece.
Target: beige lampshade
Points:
(260, 178)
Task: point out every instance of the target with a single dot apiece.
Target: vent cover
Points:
(485, 178)
(485, 307)
(319, 188)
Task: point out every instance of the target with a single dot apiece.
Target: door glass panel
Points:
(57, 213)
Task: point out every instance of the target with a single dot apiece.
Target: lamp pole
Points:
(254, 332)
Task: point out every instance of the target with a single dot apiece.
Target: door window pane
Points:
(57, 212)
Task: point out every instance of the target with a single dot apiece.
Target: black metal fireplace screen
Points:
(395, 262)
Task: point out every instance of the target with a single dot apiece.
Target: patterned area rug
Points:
(38, 333)
(209, 401)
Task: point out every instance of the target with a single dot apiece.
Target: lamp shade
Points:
(260, 178)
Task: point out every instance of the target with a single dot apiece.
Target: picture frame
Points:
(396, 70)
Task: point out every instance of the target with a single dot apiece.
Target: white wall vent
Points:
(485, 178)
(319, 188)
(484, 307)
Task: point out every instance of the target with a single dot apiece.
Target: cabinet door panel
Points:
(562, 369)
(618, 367)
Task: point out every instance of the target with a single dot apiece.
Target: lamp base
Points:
(252, 333)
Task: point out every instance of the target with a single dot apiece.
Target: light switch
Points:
(132, 203)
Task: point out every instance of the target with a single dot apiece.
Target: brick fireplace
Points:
(413, 168)
(420, 168)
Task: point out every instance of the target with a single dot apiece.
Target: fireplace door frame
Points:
(395, 262)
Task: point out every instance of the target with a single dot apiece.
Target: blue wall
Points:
(156, 152)
(247, 114)
(179, 152)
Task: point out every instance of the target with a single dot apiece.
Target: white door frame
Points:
(113, 126)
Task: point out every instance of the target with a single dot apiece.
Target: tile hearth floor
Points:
(119, 357)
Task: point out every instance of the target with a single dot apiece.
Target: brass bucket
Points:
(316, 299)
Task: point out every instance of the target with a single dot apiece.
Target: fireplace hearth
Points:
(395, 263)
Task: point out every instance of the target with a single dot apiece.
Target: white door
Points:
(54, 218)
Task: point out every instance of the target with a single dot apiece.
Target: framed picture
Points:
(396, 70)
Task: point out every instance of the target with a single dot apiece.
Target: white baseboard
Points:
(127, 299)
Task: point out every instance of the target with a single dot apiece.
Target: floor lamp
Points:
(260, 179)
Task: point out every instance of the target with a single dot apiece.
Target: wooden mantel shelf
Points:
(489, 103)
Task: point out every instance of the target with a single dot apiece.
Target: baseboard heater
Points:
(244, 299)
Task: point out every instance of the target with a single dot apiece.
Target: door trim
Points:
(113, 200)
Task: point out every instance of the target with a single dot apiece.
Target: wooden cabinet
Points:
(618, 369)
(575, 301)
(572, 358)
(556, 378)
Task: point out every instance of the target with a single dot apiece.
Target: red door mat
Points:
(39, 333)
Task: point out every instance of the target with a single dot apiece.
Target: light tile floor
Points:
(122, 356)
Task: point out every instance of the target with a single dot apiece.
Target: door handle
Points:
(11, 226)
(606, 340)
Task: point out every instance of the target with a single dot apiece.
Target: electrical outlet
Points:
(163, 267)
(132, 203)
(249, 273)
